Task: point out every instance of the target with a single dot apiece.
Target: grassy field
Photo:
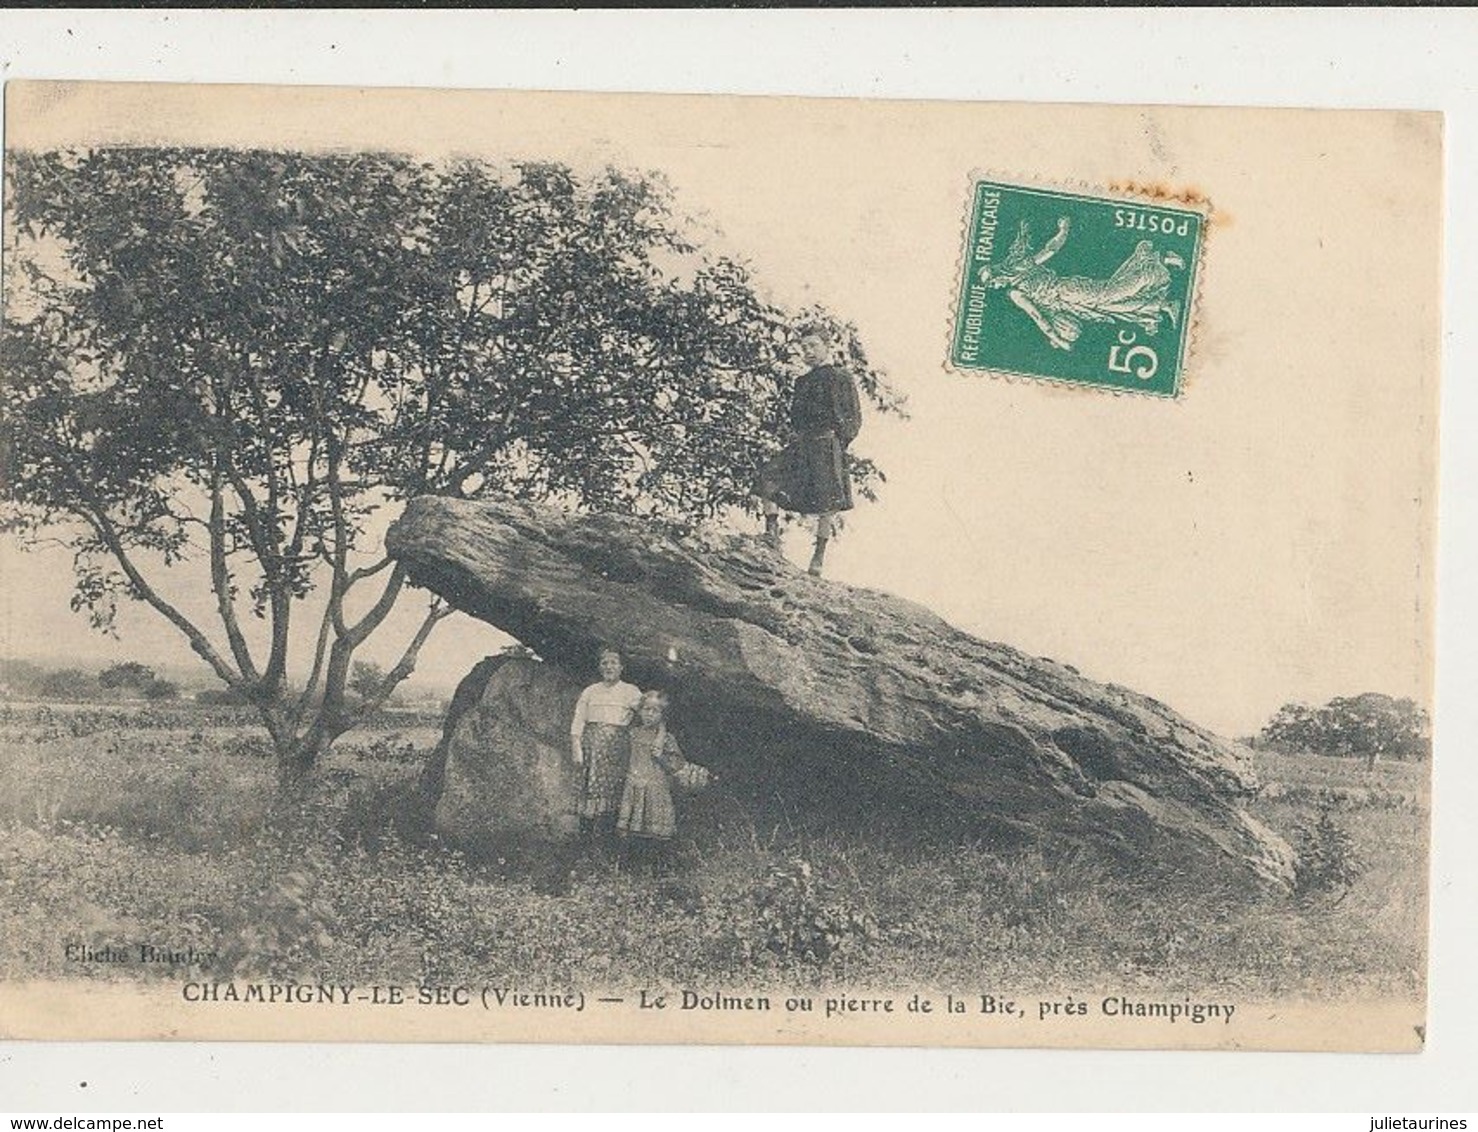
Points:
(157, 825)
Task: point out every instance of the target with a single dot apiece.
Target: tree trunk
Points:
(296, 761)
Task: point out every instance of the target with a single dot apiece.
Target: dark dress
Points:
(810, 473)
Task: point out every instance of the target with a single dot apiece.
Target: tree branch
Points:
(320, 650)
(472, 464)
(380, 610)
(220, 580)
(262, 533)
(264, 547)
(339, 559)
(367, 572)
(407, 662)
(198, 640)
(304, 496)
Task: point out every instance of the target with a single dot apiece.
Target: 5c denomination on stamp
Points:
(1090, 290)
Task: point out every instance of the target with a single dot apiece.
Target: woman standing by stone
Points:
(599, 742)
(810, 474)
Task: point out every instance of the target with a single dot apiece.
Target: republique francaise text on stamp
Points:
(1089, 290)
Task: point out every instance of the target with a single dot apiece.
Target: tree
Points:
(1294, 727)
(1369, 725)
(68, 685)
(233, 359)
(366, 678)
(20, 677)
(130, 674)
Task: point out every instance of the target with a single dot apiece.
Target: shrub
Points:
(222, 697)
(130, 676)
(1327, 861)
(68, 685)
(287, 930)
(804, 917)
(387, 749)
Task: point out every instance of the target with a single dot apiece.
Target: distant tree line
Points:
(133, 680)
(1370, 726)
(128, 680)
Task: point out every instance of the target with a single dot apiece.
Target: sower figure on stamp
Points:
(1137, 293)
(809, 476)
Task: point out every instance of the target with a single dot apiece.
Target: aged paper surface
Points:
(1261, 538)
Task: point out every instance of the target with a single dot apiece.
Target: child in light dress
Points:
(647, 820)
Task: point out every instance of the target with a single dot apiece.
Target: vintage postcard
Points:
(633, 568)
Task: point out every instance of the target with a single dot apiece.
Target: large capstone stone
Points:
(839, 699)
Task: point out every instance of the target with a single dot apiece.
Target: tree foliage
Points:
(129, 674)
(233, 359)
(161, 690)
(365, 678)
(68, 685)
(1372, 726)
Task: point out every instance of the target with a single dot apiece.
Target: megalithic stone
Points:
(843, 696)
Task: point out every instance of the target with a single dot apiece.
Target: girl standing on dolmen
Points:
(809, 476)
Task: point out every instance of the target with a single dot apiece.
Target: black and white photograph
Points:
(511, 566)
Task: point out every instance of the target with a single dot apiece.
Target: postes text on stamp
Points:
(1089, 290)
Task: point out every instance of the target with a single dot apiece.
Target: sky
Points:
(1265, 537)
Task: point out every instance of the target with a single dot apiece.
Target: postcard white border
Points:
(1337, 58)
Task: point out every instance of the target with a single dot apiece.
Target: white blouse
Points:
(605, 703)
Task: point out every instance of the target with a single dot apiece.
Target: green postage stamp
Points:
(1089, 290)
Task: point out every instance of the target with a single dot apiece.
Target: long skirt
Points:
(646, 805)
(607, 748)
(808, 476)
